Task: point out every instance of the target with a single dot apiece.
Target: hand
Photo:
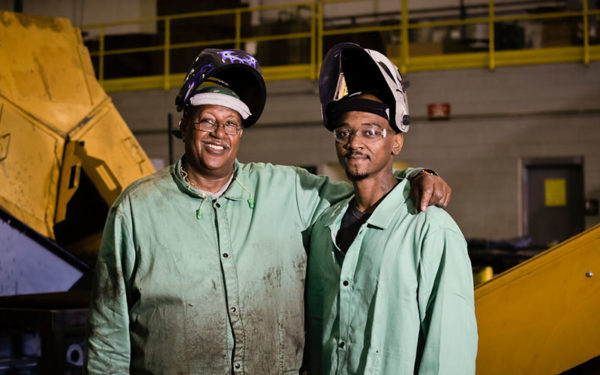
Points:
(428, 190)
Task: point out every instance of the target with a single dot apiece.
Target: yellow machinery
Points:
(58, 131)
(542, 316)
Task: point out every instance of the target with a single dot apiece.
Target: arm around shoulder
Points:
(315, 193)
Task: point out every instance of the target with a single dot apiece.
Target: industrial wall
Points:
(92, 12)
(498, 118)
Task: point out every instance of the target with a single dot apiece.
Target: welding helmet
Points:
(349, 69)
(231, 68)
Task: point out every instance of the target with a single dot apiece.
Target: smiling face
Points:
(210, 154)
(362, 157)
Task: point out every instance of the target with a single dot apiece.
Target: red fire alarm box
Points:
(438, 111)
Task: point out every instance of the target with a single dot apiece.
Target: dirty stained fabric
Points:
(400, 301)
(188, 284)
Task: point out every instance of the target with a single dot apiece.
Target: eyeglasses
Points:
(210, 125)
(370, 134)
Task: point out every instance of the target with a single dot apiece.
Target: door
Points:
(553, 200)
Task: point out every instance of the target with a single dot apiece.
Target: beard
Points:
(355, 175)
(353, 172)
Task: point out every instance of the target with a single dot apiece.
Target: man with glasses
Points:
(202, 264)
(389, 291)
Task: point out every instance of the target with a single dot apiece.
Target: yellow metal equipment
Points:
(487, 273)
(57, 125)
(542, 316)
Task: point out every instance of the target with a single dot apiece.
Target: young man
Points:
(202, 264)
(389, 291)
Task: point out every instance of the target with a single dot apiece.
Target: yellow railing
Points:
(317, 31)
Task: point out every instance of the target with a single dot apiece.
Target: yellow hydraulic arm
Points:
(57, 123)
(542, 316)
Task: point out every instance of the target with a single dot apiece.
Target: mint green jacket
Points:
(400, 301)
(192, 285)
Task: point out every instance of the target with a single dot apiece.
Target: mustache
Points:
(353, 154)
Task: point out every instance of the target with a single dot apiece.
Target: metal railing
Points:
(315, 32)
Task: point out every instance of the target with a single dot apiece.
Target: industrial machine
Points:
(65, 155)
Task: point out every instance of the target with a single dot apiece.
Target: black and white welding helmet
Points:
(348, 69)
(231, 68)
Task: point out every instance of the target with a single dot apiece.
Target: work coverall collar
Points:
(397, 201)
(235, 191)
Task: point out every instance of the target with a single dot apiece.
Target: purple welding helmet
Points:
(232, 68)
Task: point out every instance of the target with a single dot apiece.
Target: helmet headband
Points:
(222, 96)
(336, 109)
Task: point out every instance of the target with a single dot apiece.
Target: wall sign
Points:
(555, 192)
